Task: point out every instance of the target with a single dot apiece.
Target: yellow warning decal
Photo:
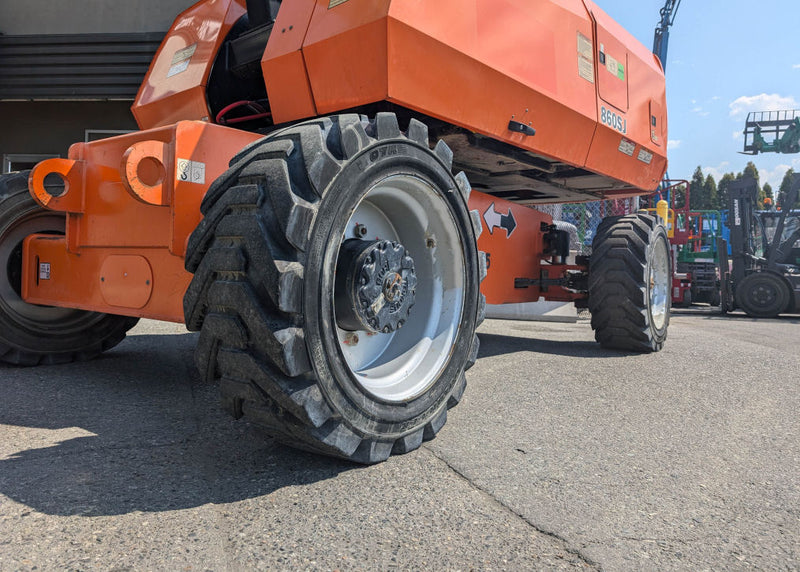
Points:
(334, 3)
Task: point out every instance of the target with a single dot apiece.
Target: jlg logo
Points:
(613, 120)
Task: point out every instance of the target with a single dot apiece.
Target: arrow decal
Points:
(495, 219)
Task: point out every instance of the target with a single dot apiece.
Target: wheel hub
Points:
(375, 286)
(763, 295)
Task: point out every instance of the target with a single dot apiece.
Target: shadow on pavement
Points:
(135, 430)
(713, 313)
(495, 344)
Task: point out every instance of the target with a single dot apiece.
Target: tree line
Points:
(707, 194)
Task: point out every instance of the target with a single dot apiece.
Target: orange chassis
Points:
(132, 202)
(492, 69)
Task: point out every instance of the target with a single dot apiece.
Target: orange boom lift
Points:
(330, 191)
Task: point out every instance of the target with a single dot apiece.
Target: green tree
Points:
(784, 188)
(710, 192)
(752, 170)
(722, 190)
(697, 196)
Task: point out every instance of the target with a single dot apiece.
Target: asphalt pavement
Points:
(560, 456)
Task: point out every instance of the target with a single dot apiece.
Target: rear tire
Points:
(629, 283)
(763, 295)
(279, 320)
(31, 334)
(716, 297)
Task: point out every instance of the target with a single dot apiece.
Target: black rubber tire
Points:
(716, 297)
(763, 295)
(30, 334)
(687, 299)
(263, 260)
(620, 287)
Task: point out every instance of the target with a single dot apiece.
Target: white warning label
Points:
(645, 156)
(627, 147)
(181, 59)
(585, 58)
(44, 271)
(190, 171)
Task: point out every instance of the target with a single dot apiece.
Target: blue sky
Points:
(726, 57)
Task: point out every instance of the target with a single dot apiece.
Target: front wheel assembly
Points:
(629, 283)
(336, 286)
(763, 295)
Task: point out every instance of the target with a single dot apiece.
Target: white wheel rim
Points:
(402, 365)
(659, 285)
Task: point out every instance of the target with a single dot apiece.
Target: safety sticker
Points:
(645, 156)
(191, 171)
(585, 63)
(334, 3)
(627, 147)
(496, 219)
(615, 68)
(181, 59)
(44, 271)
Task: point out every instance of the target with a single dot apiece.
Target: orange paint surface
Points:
(174, 87)
(136, 195)
(509, 255)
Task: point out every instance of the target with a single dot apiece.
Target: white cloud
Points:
(796, 66)
(762, 102)
(717, 171)
(673, 144)
(699, 111)
(716, 98)
(773, 176)
(737, 135)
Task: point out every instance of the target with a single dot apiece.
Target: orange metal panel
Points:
(643, 168)
(174, 87)
(476, 64)
(514, 254)
(128, 197)
(283, 65)
(643, 164)
(480, 63)
(196, 145)
(189, 156)
(80, 281)
(345, 51)
(126, 280)
(611, 57)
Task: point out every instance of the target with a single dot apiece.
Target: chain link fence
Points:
(586, 217)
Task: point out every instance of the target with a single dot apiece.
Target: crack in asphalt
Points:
(538, 528)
